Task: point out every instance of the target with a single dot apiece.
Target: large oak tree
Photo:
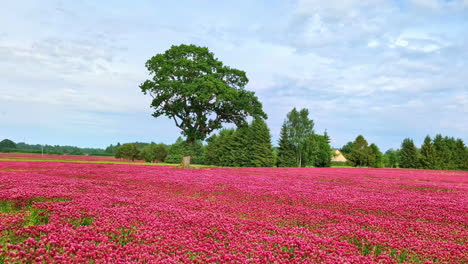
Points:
(192, 87)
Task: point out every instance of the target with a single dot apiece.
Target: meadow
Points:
(99, 211)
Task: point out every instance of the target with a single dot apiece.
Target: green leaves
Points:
(192, 87)
(128, 151)
(359, 153)
(296, 130)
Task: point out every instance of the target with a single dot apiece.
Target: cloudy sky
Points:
(387, 69)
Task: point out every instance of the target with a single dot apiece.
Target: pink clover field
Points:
(54, 212)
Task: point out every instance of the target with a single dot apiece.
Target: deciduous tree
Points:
(195, 89)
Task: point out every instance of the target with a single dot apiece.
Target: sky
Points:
(387, 69)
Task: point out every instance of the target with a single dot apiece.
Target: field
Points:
(87, 212)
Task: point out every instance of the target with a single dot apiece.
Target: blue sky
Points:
(70, 70)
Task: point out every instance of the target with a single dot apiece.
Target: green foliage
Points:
(428, 154)
(192, 87)
(286, 153)
(347, 149)
(318, 152)
(259, 150)
(297, 131)
(361, 154)
(182, 148)
(154, 152)
(391, 158)
(112, 149)
(376, 159)
(299, 146)
(22, 147)
(450, 154)
(246, 146)
(409, 154)
(128, 151)
(7, 144)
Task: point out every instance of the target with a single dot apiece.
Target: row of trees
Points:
(8, 145)
(148, 152)
(246, 146)
(440, 153)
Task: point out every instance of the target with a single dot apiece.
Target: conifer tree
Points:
(286, 155)
(242, 140)
(260, 147)
(428, 154)
(408, 154)
(227, 147)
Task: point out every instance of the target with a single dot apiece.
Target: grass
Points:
(84, 221)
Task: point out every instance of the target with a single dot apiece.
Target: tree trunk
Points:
(185, 164)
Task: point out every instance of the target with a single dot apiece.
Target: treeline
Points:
(7, 145)
(440, 153)
(248, 145)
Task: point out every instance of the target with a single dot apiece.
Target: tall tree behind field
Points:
(428, 154)
(286, 154)
(392, 158)
(241, 144)
(376, 160)
(461, 155)
(361, 153)
(191, 86)
(260, 149)
(408, 154)
(318, 151)
(298, 128)
(219, 148)
(7, 144)
(128, 151)
(154, 152)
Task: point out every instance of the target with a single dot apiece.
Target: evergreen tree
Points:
(227, 148)
(461, 154)
(260, 147)
(327, 137)
(286, 155)
(212, 150)
(408, 154)
(242, 141)
(428, 154)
